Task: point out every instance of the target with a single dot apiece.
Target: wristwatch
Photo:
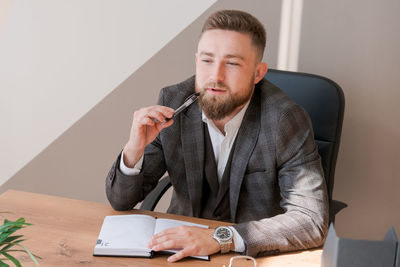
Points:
(224, 237)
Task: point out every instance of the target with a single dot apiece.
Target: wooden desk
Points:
(65, 232)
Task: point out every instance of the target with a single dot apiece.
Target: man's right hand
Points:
(146, 125)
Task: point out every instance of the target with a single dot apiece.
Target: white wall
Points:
(60, 58)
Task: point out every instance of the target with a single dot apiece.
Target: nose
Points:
(218, 74)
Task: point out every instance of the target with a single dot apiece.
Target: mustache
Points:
(219, 85)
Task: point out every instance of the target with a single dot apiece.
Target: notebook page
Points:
(127, 232)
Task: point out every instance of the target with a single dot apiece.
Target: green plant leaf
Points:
(12, 238)
(20, 221)
(8, 224)
(11, 244)
(29, 253)
(10, 227)
(11, 258)
(5, 238)
(21, 250)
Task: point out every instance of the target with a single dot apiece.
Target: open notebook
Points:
(127, 235)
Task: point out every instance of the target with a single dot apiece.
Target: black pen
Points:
(190, 100)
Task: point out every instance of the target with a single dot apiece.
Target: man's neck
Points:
(222, 122)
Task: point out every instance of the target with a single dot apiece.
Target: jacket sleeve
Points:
(303, 193)
(125, 191)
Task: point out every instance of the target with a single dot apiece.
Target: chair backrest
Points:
(323, 99)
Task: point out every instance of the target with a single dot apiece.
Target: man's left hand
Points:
(193, 241)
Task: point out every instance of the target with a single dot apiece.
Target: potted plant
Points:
(9, 244)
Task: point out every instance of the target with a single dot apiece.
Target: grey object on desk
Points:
(340, 252)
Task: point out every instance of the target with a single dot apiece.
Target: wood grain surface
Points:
(65, 233)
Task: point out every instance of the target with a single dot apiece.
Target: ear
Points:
(261, 70)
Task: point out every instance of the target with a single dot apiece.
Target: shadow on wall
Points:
(75, 164)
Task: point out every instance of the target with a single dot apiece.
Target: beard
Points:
(217, 107)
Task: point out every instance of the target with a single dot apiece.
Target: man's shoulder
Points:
(182, 88)
(273, 98)
(175, 94)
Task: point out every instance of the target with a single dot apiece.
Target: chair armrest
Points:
(151, 200)
(334, 208)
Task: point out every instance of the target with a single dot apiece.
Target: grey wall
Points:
(356, 43)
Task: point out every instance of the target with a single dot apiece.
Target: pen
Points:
(190, 100)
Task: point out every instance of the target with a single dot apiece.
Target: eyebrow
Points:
(225, 56)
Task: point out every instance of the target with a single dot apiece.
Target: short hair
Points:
(239, 21)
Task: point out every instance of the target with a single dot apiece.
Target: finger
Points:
(164, 124)
(169, 244)
(155, 241)
(167, 123)
(160, 239)
(178, 256)
(156, 115)
(148, 121)
(167, 112)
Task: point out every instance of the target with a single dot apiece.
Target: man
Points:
(245, 153)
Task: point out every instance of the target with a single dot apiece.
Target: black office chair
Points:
(323, 99)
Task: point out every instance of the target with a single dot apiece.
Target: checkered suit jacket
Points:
(277, 192)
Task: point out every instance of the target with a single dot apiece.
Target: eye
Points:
(206, 60)
(233, 63)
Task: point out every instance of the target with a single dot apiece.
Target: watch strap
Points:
(225, 247)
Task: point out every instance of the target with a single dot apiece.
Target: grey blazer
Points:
(277, 192)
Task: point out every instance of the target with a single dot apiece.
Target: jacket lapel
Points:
(192, 132)
(245, 142)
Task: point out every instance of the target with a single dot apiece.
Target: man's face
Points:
(226, 72)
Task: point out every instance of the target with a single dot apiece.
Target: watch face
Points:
(223, 233)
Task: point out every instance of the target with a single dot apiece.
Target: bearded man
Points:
(244, 154)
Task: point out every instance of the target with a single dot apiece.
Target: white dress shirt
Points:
(222, 146)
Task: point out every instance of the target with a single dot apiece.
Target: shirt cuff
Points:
(130, 171)
(238, 240)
